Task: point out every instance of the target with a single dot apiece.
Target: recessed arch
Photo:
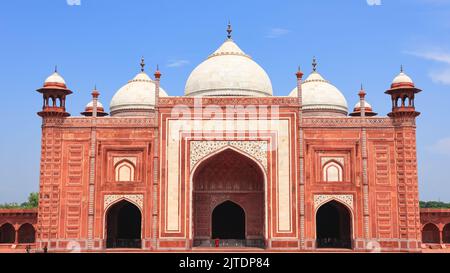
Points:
(124, 171)
(446, 234)
(123, 225)
(7, 234)
(228, 175)
(332, 171)
(430, 234)
(334, 225)
(26, 234)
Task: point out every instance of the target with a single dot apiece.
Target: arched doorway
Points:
(123, 226)
(228, 221)
(446, 234)
(430, 234)
(220, 183)
(333, 226)
(26, 234)
(7, 234)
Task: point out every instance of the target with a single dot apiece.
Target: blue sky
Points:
(101, 42)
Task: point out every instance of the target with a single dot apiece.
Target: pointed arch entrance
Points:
(228, 221)
(7, 234)
(123, 226)
(228, 201)
(333, 226)
(26, 234)
(430, 234)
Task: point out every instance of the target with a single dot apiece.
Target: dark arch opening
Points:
(333, 226)
(123, 224)
(228, 222)
(27, 234)
(7, 234)
(430, 234)
(229, 175)
(446, 234)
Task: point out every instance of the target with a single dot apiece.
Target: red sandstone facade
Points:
(80, 182)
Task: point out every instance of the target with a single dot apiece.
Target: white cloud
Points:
(74, 2)
(374, 2)
(177, 63)
(436, 55)
(441, 76)
(442, 146)
(277, 32)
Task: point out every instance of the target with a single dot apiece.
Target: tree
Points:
(434, 204)
(33, 202)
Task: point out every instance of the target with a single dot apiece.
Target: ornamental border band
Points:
(226, 167)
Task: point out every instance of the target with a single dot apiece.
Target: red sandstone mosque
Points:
(227, 165)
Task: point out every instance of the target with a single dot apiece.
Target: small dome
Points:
(228, 72)
(367, 105)
(88, 111)
(136, 97)
(368, 110)
(91, 104)
(55, 78)
(320, 97)
(402, 78)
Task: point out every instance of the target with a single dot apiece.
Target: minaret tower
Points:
(403, 93)
(404, 115)
(54, 93)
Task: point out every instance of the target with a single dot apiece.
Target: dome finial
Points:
(314, 64)
(229, 30)
(56, 68)
(401, 68)
(157, 73)
(142, 64)
(362, 92)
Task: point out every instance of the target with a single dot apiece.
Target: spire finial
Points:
(401, 68)
(362, 93)
(314, 64)
(95, 92)
(299, 73)
(56, 68)
(157, 73)
(229, 30)
(142, 64)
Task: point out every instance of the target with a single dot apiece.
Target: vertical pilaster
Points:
(92, 173)
(364, 155)
(156, 163)
(301, 176)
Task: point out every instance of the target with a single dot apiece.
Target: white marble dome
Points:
(55, 78)
(136, 97)
(320, 97)
(228, 72)
(402, 78)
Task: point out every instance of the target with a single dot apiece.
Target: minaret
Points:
(404, 115)
(54, 94)
(53, 113)
(403, 93)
